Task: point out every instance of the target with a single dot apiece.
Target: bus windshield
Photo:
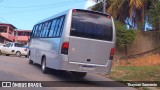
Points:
(91, 25)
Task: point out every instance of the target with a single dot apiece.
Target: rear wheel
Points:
(43, 65)
(30, 61)
(79, 74)
(0, 52)
(18, 54)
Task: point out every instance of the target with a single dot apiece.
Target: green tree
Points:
(135, 10)
(124, 37)
(154, 15)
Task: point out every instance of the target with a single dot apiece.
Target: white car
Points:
(13, 48)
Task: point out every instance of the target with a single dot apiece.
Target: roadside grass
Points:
(135, 73)
(144, 68)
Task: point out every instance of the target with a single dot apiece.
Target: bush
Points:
(125, 37)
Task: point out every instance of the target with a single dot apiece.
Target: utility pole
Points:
(104, 6)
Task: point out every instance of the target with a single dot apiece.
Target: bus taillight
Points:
(74, 10)
(112, 53)
(109, 17)
(65, 47)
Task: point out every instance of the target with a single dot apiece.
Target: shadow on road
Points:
(68, 80)
(61, 74)
(13, 56)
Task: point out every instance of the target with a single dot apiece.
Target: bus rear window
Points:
(91, 25)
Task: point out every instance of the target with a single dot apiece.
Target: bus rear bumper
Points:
(83, 67)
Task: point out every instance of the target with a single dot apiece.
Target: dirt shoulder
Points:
(147, 60)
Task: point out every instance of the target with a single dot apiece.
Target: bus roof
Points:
(65, 12)
(54, 16)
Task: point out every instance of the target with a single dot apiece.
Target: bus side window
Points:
(51, 33)
(59, 27)
(36, 31)
(48, 28)
(62, 24)
(39, 30)
(56, 27)
(42, 30)
(32, 33)
(45, 29)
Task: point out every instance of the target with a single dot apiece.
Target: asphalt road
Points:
(17, 69)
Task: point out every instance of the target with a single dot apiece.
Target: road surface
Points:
(17, 69)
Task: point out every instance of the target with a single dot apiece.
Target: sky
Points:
(23, 14)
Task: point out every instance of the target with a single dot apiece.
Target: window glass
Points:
(91, 25)
(52, 28)
(36, 31)
(33, 31)
(51, 33)
(61, 26)
(18, 45)
(39, 30)
(11, 45)
(8, 44)
(47, 29)
(42, 29)
(56, 27)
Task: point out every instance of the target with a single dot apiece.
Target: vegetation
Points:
(135, 73)
(134, 13)
(125, 37)
(154, 15)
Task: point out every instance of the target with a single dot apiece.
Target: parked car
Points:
(13, 48)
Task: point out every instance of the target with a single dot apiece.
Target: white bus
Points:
(78, 41)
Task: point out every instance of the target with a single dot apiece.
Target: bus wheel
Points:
(18, 54)
(30, 61)
(0, 52)
(43, 65)
(79, 74)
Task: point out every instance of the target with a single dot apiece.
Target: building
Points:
(9, 33)
(22, 36)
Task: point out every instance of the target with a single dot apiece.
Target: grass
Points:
(135, 73)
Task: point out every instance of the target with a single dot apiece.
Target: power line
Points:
(4, 20)
(44, 8)
(47, 5)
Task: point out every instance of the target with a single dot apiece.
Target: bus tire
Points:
(0, 52)
(30, 61)
(43, 65)
(79, 74)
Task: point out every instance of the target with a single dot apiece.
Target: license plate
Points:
(88, 68)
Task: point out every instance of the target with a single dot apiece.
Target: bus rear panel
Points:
(91, 42)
